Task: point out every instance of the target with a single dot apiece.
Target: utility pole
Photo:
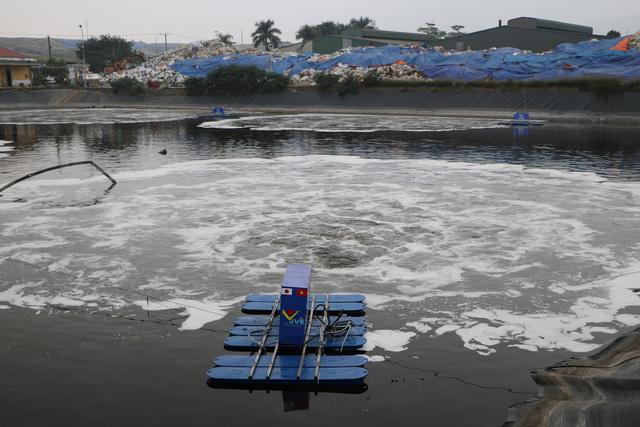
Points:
(165, 42)
(84, 77)
(49, 43)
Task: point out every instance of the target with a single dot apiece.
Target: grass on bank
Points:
(603, 86)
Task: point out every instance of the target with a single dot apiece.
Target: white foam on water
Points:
(5, 148)
(532, 258)
(198, 313)
(19, 296)
(89, 116)
(356, 123)
(388, 340)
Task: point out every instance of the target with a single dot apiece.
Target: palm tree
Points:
(363, 22)
(225, 39)
(266, 34)
(306, 33)
(329, 28)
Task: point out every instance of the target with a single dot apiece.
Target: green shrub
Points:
(371, 79)
(275, 82)
(195, 86)
(236, 80)
(325, 81)
(349, 84)
(127, 85)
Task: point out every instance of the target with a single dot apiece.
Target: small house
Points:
(15, 68)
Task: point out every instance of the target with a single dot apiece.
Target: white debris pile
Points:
(399, 72)
(634, 41)
(202, 49)
(161, 75)
(157, 69)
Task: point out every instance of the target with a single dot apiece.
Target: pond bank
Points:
(559, 107)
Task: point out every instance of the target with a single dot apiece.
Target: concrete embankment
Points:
(551, 106)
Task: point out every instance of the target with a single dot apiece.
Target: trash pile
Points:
(630, 42)
(152, 75)
(158, 69)
(170, 69)
(399, 72)
(610, 57)
(596, 58)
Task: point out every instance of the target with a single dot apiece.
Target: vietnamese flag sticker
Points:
(301, 292)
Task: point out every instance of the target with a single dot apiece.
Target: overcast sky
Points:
(186, 21)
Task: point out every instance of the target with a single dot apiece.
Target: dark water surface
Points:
(484, 253)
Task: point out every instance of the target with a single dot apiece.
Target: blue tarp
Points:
(565, 61)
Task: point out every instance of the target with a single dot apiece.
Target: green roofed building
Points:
(358, 37)
(536, 35)
(545, 24)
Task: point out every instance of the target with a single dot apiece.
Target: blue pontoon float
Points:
(298, 322)
(218, 113)
(521, 119)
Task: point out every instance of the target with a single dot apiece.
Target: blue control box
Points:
(293, 304)
(521, 118)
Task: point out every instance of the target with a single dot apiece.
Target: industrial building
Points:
(15, 68)
(533, 34)
(358, 37)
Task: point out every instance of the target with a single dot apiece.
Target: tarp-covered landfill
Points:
(617, 57)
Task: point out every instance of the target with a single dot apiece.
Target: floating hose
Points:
(58, 167)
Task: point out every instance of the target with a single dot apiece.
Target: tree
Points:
(128, 85)
(438, 34)
(56, 68)
(613, 34)
(266, 34)
(225, 39)
(306, 33)
(363, 22)
(104, 51)
(329, 28)
(236, 80)
(456, 31)
(433, 31)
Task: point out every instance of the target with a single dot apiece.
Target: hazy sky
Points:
(189, 20)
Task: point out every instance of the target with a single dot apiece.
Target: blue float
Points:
(351, 308)
(343, 361)
(347, 329)
(262, 321)
(219, 113)
(521, 119)
(320, 299)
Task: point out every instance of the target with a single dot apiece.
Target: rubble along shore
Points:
(558, 107)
